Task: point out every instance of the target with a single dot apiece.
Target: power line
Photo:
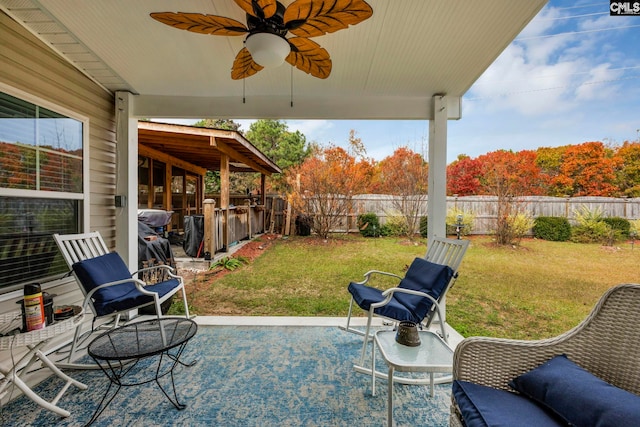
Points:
(574, 16)
(572, 33)
(580, 7)
(518, 92)
(545, 76)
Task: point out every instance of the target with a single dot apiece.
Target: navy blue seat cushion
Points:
(364, 296)
(422, 275)
(482, 406)
(579, 397)
(97, 271)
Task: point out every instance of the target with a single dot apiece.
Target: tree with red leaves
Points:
(463, 176)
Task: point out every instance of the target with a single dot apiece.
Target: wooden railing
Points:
(225, 227)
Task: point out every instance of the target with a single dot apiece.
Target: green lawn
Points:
(536, 290)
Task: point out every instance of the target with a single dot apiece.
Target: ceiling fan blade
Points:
(244, 66)
(202, 24)
(308, 18)
(258, 8)
(308, 56)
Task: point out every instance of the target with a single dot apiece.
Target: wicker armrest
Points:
(494, 362)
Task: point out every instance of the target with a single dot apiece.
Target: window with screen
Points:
(41, 189)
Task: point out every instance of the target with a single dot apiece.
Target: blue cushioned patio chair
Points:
(109, 288)
(417, 296)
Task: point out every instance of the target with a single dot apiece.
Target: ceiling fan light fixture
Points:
(267, 49)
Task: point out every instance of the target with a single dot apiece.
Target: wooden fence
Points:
(484, 208)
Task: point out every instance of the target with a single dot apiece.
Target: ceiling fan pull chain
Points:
(244, 100)
(291, 86)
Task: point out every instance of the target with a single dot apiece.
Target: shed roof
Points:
(204, 146)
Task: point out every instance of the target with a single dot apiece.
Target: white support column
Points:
(127, 179)
(437, 203)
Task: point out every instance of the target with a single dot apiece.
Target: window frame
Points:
(83, 197)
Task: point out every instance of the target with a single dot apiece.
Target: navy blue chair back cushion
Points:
(97, 271)
(422, 275)
(427, 277)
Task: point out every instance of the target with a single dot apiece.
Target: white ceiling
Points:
(387, 67)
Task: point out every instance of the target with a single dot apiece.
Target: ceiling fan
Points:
(269, 23)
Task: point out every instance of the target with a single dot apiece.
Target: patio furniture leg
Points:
(104, 402)
(14, 374)
(176, 359)
(390, 398)
(366, 339)
(373, 368)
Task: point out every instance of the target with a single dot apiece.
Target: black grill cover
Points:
(193, 235)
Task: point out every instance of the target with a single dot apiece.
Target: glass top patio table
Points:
(433, 355)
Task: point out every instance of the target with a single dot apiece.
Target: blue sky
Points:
(571, 76)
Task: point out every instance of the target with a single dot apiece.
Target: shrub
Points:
(424, 222)
(369, 225)
(590, 227)
(229, 263)
(620, 226)
(396, 225)
(553, 228)
(520, 225)
(634, 232)
(593, 233)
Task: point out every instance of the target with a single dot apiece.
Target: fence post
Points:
(249, 216)
(209, 206)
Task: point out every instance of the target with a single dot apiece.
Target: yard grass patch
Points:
(531, 291)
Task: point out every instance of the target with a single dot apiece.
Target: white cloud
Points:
(595, 86)
(541, 23)
(312, 129)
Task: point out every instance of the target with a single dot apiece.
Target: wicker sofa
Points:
(606, 344)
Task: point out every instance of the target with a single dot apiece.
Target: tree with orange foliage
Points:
(325, 182)
(628, 174)
(405, 174)
(549, 160)
(589, 169)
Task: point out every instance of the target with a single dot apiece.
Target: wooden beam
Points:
(225, 149)
(146, 151)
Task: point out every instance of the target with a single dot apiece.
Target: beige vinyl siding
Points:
(28, 66)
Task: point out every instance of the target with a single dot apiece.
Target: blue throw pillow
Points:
(578, 396)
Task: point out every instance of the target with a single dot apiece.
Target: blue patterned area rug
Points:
(249, 376)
